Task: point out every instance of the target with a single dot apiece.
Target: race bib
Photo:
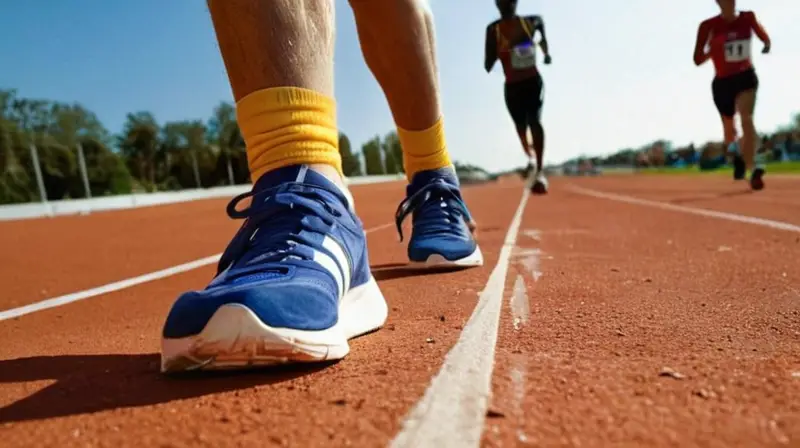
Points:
(737, 50)
(523, 56)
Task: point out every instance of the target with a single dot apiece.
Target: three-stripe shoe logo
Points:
(336, 262)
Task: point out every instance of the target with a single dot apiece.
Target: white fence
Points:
(85, 206)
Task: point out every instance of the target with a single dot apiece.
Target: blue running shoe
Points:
(442, 227)
(293, 285)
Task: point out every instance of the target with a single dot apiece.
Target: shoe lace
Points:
(273, 226)
(437, 207)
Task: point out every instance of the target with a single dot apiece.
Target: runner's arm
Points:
(760, 31)
(491, 48)
(537, 23)
(700, 53)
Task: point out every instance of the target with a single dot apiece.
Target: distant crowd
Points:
(778, 147)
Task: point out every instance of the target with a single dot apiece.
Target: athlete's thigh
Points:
(531, 98)
(746, 93)
(516, 104)
(746, 102)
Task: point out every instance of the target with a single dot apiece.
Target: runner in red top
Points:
(510, 39)
(728, 38)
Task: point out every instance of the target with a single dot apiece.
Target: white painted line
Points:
(520, 308)
(116, 286)
(453, 410)
(123, 284)
(780, 225)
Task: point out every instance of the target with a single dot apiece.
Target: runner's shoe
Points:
(528, 170)
(539, 183)
(293, 285)
(757, 178)
(441, 233)
(739, 168)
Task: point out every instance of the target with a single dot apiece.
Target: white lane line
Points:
(453, 410)
(127, 283)
(116, 286)
(520, 308)
(780, 225)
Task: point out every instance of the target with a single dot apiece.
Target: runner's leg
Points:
(745, 104)
(729, 133)
(535, 120)
(279, 58)
(397, 40)
(724, 94)
(517, 110)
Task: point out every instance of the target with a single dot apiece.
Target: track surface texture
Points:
(623, 323)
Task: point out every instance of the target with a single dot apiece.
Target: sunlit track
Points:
(127, 283)
(620, 323)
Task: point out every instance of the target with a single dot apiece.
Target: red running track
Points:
(621, 324)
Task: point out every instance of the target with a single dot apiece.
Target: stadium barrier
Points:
(120, 202)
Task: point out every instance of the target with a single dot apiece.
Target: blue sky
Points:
(622, 71)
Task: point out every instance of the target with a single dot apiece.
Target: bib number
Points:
(523, 56)
(737, 50)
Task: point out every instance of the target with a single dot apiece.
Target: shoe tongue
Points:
(302, 174)
(422, 178)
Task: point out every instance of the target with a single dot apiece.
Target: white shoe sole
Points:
(437, 261)
(235, 338)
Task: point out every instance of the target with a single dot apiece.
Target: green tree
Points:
(351, 165)
(192, 163)
(31, 115)
(105, 169)
(7, 97)
(372, 157)
(227, 141)
(140, 145)
(15, 183)
(59, 167)
(35, 119)
(71, 122)
(392, 153)
(202, 159)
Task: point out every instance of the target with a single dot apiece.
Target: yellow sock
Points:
(424, 150)
(286, 126)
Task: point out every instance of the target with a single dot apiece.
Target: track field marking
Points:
(780, 225)
(127, 283)
(452, 411)
(520, 305)
(520, 312)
